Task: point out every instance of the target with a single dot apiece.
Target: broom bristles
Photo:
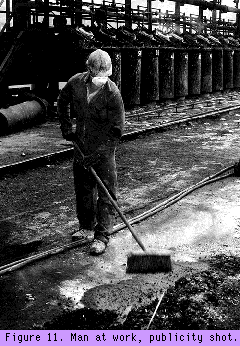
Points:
(148, 263)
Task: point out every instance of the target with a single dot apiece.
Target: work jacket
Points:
(98, 122)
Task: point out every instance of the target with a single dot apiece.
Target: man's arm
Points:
(116, 116)
(63, 110)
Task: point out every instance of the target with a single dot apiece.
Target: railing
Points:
(116, 14)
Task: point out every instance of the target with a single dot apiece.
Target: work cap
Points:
(99, 63)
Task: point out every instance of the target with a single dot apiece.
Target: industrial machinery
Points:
(156, 55)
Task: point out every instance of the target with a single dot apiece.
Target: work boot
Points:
(83, 234)
(98, 247)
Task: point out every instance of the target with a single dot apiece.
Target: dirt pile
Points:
(204, 300)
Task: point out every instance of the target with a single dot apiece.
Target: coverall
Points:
(99, 127)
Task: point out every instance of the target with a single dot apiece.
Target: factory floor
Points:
(201, 232)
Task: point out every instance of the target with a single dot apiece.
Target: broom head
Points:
(147, 262)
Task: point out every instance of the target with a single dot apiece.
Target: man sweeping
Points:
(96, 103)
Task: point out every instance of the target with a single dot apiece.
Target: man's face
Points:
(92, 73)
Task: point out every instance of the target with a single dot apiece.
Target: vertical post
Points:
(214, 17)
(78, 15)
(72, 7)
(184, 24)
(138, 13)
(237, 33)
(149, 15)
(205, 25)
(128, 13)
(220, 16)
(91, 14)
(46, 14)
(117, 17)
(200, 13)
(7, 13)
(214, 13)
(177, 17)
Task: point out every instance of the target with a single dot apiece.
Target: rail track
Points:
(48, 159)
(145, 121)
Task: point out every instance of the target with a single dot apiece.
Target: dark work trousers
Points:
(94, 210)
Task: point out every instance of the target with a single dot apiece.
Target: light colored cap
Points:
(99, 63)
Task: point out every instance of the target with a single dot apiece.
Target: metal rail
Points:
(67, 153)
(176, 105)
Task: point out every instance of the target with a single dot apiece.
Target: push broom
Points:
(146, 262)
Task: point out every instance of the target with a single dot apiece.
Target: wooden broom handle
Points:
(99, 181)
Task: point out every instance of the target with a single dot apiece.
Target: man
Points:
(96, 103)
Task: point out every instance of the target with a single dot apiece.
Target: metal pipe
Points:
(22, 115)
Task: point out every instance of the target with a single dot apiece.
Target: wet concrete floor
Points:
(200, 226)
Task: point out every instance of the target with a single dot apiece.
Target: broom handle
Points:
(117, 208)
(99, 181)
